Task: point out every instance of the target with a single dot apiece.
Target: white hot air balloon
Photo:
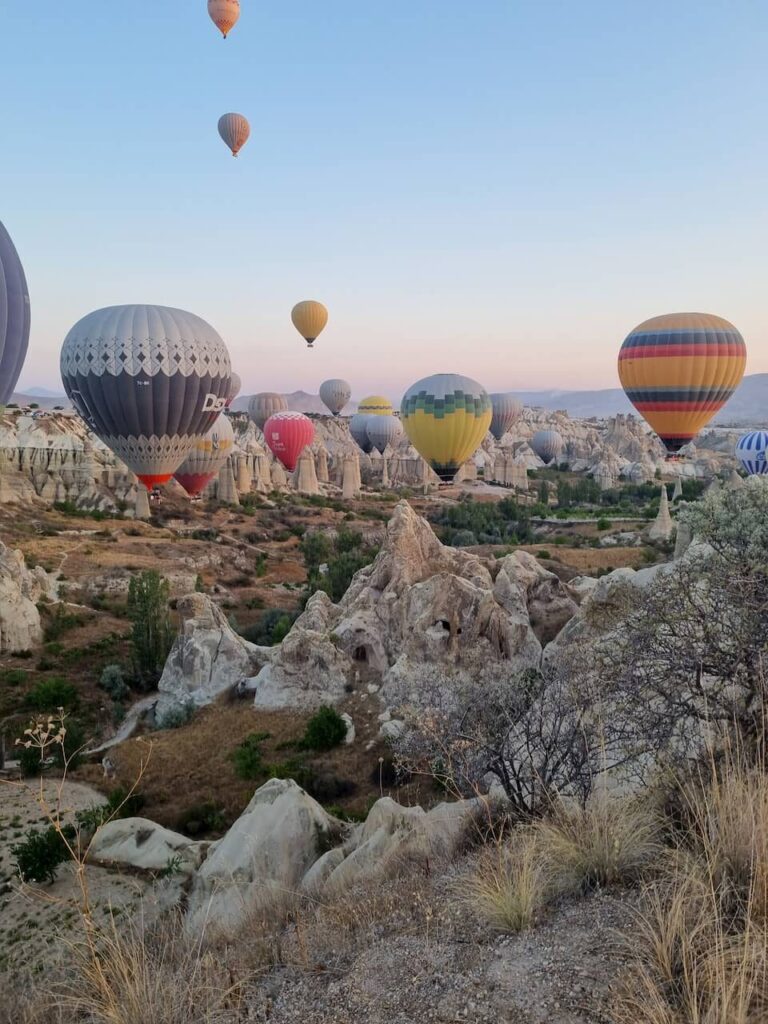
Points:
(335, 394)
(264, 405)
(383, 431)
(235, 384)
(234, 130)
(506, 412)
(548, 445)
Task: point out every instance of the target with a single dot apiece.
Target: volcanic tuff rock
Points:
(20, 590)
(207, 658)
(418, 606)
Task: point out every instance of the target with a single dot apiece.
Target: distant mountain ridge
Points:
(748, 407)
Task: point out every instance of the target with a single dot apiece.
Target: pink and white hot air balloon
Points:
(287, 434)
(224, 14)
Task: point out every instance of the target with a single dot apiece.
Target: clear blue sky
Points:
(497, 188)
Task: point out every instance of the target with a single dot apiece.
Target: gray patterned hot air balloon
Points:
(335, 394)
(148, 380)
(383, 431)
(506, 412)
(235, 131)
(208, 455)
(235, 384)
(358, 428)
(547, 444)
(264, 405)
(14, 316)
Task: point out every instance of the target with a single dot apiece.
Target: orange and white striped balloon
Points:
(224, 14)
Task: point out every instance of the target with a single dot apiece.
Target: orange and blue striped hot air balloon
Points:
(679, 370)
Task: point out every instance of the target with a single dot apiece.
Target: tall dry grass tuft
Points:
(509, 885)
(159, 976)
(608, 841)
(699, 947)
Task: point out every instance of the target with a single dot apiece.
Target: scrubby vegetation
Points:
(332, 561)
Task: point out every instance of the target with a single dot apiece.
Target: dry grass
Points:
(509, 885)
(160, 977)
(700, 945)
(607, 842)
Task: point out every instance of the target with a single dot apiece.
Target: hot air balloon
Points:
(752, 452)
(506, 412)
(14, 316)
(335, 394)
(235, 130)
(446, 417)
(287, 434)
(224, 14)
(264, 405)
(375, 405)
(358, 428)
(383, 431)
(547, 444)
(309, 318)
(679, 370)
(235, 384)
(208, 455)
(148, 380)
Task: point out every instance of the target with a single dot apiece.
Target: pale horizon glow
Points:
(502, 190)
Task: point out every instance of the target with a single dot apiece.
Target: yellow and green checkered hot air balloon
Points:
(679, 370)
(446, 417)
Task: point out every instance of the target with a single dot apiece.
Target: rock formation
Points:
(663, 526)
(141, 508)
(304, 477)
(20, 590)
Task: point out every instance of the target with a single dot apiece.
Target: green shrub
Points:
(29, 761)
(325, 730)
(13, 677)
(70, 751)
(61, 621)
(41, 853)
(272, 627)
(113, 682)
(247, 757)
(176, 717)
(119, 805)
(543, 554)
(603, 523)
(51, 694)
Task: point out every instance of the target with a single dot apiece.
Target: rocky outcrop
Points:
(146, 846)
(662, 527)
(418, 607)
(20, 591)
(268, 851)
(207, 658)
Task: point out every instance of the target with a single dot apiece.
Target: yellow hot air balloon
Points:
(309, 319)
(446, 417)
(680, 369)
(224, 14)
(375, 405)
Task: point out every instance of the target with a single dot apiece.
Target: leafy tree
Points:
(152, 635)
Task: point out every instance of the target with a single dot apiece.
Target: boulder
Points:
(20, 590)
(269, 849)
(145, 845)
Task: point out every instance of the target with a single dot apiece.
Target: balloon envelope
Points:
(309, 318)
(14, 316)
(335, 394)
(287, 434)
(264, 405)
(148, 380)
(752, 452)
(446, 416)
(375, 405)
(383, 431)
(506, 412)
(547, 444)
(235, 131)
(358, 428)
(680, 369)
(208, 455)
(235, 384)
(224, 14)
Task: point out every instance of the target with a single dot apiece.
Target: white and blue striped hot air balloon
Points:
(752, 452)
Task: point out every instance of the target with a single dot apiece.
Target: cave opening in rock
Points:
(360, 654)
